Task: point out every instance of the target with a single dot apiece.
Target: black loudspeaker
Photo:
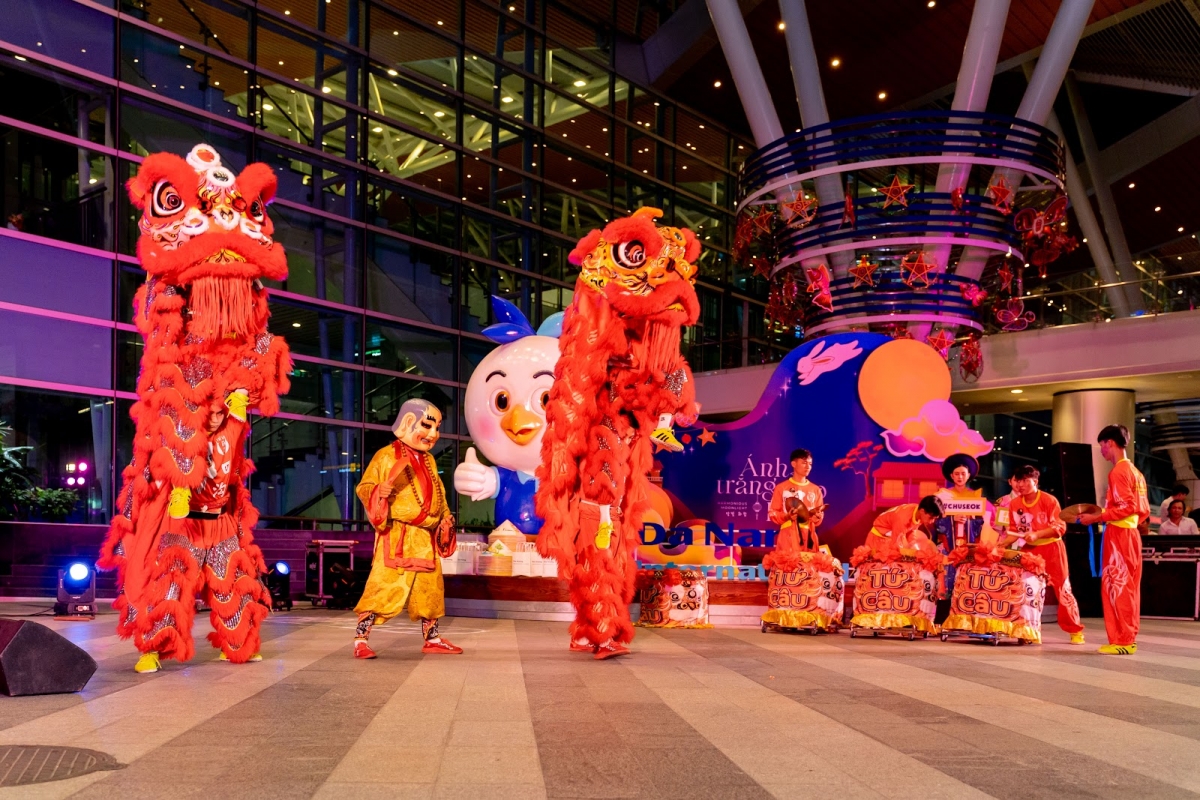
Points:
(36, 660)
(1070, 476)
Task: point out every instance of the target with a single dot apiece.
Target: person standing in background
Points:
(1126, 512)
(1176, 524)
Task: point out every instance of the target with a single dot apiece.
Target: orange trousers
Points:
(602, 583)
(1121, 583)
(1055, 556)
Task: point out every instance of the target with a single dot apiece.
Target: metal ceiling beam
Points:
(1140, 84)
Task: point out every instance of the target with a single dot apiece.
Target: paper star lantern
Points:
(849, 216)
(707, 437)
(1002, 195)
(863, 272)
(762, 266)
(917, 269)
(956, 198)
(970, 359)
(763, 221)
(896, 192)
(1006, 275)
(941, 341)
(802, 210)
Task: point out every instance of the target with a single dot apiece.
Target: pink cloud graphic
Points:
(936, 433)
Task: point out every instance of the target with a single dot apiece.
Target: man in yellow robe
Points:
(406, 502)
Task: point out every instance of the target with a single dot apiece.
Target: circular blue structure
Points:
(886, 187)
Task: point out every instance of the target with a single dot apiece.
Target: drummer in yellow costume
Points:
(406, 502)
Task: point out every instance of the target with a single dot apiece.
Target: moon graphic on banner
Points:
(899, 378)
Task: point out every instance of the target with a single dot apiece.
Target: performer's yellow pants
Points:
(389, 589)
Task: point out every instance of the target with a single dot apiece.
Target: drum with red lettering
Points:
(895, 590)
(673, 598)
(805, 592)
(998, 594)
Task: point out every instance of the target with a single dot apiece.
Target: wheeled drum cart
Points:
(805, 593)
(998, 596)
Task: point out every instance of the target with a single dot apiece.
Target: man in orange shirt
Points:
(797, 488)
(1126, 509)
(910, 524)
(1035, 527)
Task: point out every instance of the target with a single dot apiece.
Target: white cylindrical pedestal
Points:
(1080, 415)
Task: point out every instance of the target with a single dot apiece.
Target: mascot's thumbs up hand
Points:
(475, 480)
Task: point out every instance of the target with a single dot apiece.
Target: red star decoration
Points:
(1005, 275)
(1002, 196)
(763, 221)
(849, 216)
(762, 266)
(802, 209)
(745, 229)
(707, 437)
(896, 192)
(863, 272)
(956, 198)
(941, 341)
(918, 269)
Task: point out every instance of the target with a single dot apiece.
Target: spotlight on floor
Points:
(76, 592)
(279, 584)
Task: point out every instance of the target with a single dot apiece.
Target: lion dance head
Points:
(205, 230)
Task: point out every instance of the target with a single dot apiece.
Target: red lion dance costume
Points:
(619, 382)
(185, 520)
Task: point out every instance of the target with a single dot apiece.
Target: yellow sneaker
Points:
(254, 658)
(665, 438)
(604, 535)
(1118, 649)
(147, 663)
(1077, 638)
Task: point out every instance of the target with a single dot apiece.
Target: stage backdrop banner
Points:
(873, 411)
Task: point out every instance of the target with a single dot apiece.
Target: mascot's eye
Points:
(167, 201)
(256, 211)
(545, 399)
(501, 401)
(630, 255)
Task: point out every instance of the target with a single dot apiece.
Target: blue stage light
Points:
(78, 572)
(282, 568)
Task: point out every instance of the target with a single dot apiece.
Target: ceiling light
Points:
(439, 113)
(1018, 391)
(505, 99)
(377, 129)
(931, 4)
(1180, 229)
(23, 58)
(393, 73)
(439, 22)
(882, 95)
(835, 63)
(580, 83)
(268, 107)
(716, 84)
(781, 25)
(1132, 185)
(295, 324)
(325, 90)
(1158, 208)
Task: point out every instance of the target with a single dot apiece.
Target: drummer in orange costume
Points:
(1035, 527)
(798, 487)
(909, 525)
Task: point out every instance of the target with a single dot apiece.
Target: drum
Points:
(673, 598)
(805, 591)
(896, 589)
(999, 592)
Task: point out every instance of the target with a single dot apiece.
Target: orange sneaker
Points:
(576, 647)
(441, 646)
(610, 650)
(363, 650)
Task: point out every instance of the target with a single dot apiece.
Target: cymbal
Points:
(1072, 513)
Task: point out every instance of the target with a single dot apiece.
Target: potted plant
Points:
(15, 477)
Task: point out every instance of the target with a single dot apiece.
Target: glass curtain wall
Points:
(428, 155)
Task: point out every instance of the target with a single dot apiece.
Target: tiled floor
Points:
(692, 714)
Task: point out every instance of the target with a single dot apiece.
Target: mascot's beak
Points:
(521, 425)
